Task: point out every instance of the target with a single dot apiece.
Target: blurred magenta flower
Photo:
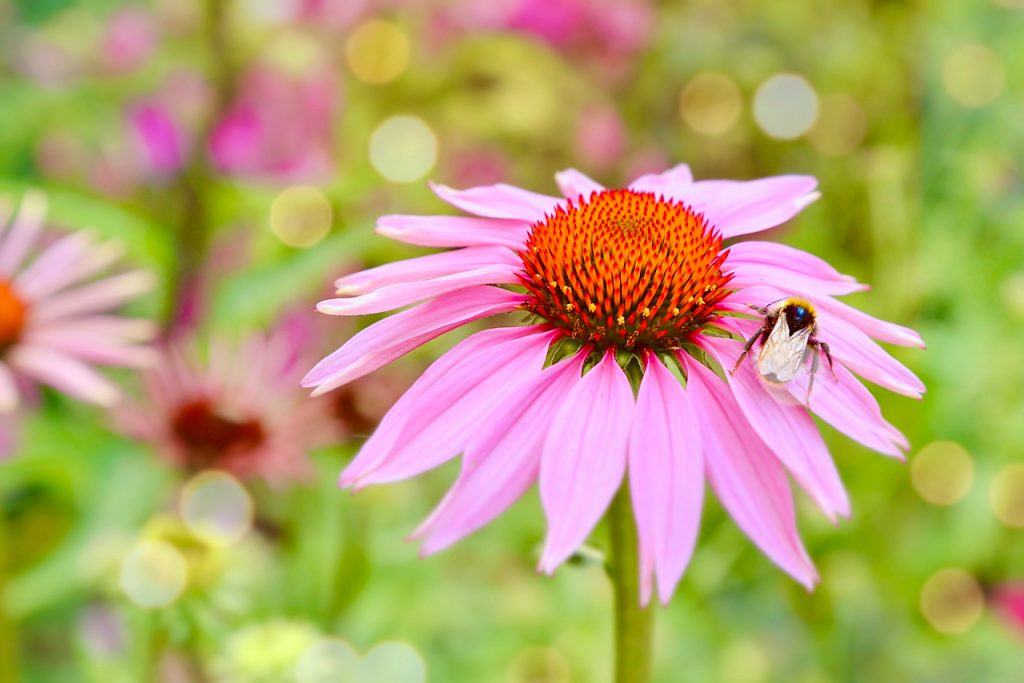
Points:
(240, 411)
(279, 127)
(1008, 600)
(129, 39)
(162, 140)
(634, 278)
(54, 315)
(607, 33)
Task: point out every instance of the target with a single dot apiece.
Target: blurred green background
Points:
(909, 113)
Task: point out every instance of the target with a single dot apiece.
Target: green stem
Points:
(634, 624)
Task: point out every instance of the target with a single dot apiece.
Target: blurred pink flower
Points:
(606, 32)
(240, 411)
(163, 142)
(54, 320)
(601, 137)
(279, 127)
(128, 40)
(1008, 600)
(608, 275)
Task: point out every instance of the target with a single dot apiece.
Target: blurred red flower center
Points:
(12, 315)
(625, 269)
(208, 434)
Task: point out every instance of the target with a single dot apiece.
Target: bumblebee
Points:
(787, 341)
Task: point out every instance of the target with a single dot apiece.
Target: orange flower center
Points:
(12, 316)
(209, 435)
(625, 269)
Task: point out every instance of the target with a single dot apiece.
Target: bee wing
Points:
(782, 354)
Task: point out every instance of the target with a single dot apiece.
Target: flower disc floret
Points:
(625, 269)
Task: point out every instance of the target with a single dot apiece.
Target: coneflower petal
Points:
(787, 430)
(396, 335)
(454, 231)
(666, 476)
(447, 414)
(584, 458)
(502, 458)
(746, 476)
(499, 201)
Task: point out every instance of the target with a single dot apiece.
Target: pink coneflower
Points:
(625, 291)
(239, 411)
(55, 320)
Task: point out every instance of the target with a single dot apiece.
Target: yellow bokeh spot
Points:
(952, 601)
(403, 149)
(1006, 495)
(942, 472)
(710, 103)
(377, 51)
(840, 127)
(973, 75)
(216, 507)
(153, 574)
(301, 216)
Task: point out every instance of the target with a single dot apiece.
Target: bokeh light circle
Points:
(841, 126)
(710, 103)
(785, 106)
(1006, 495)
(301, 216)
(153, 574)
(377, 51)
(330, 660)
(216, 507)
(393, 662)
(539, 665)
(973, 75)
(952, 601)
(942, 472)
(403, 149)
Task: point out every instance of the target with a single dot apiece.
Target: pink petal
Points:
(746, 475)
(846, 404)
(448, 413)
(499, 201)
(63, 264)
(424, 268)
(788, 268)
(454, 231)
(870, 325)
(783, 256)
(666, 474)
(64, 373)
(574, 184)
(97, 296)
(396, 335)
(8, 390)
(502, 457)
(29, 219)
(787, 429)
(383, 440)
(671, 183)
(757, 205)
(584, 458)
(401, 294)
(849, 407)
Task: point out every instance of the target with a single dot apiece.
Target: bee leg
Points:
(762, 311)
(814, 371)
(746, 350)
(823, 347)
